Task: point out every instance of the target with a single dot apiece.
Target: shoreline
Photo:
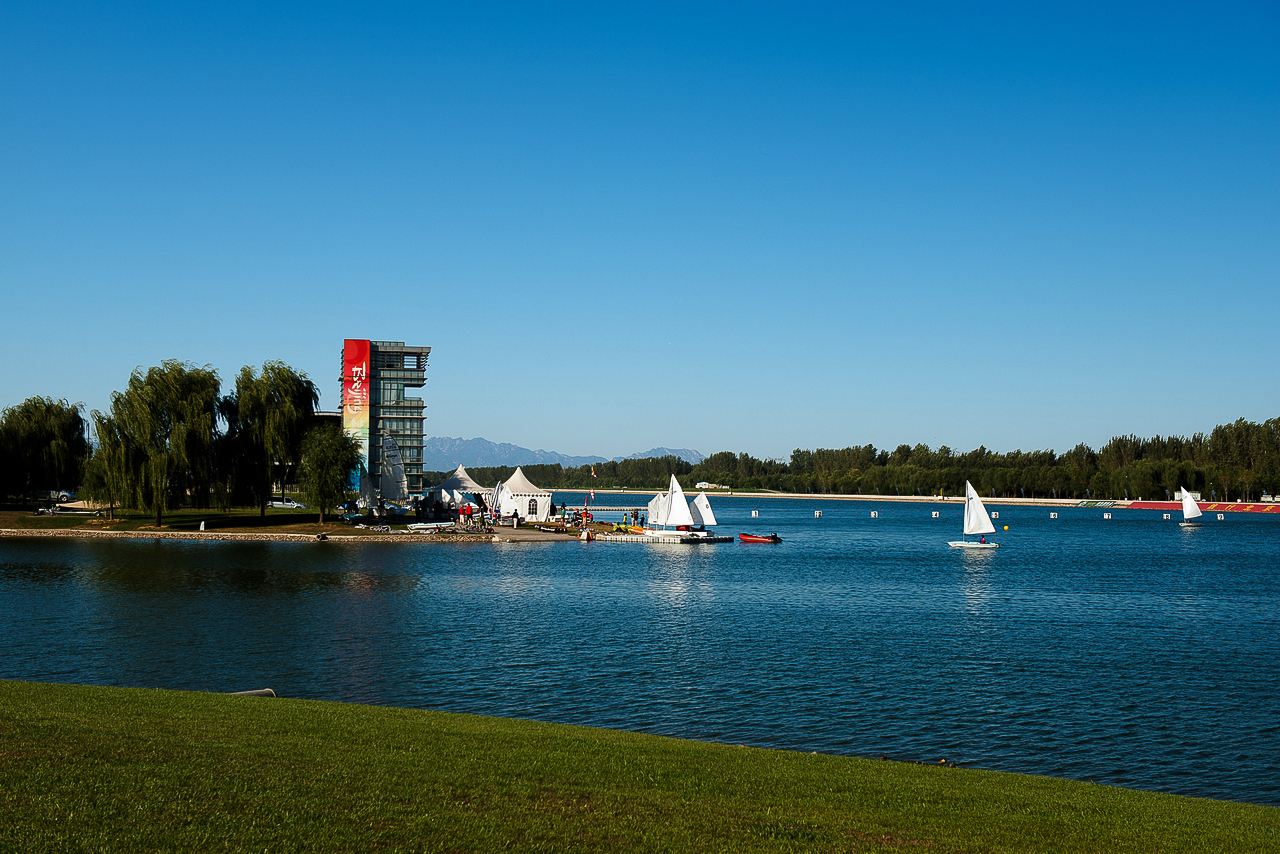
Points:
(531, 534)
(508, 535)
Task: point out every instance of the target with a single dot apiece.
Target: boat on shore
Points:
(759, 538)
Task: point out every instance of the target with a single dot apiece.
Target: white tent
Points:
(456, 487)
(517, 495)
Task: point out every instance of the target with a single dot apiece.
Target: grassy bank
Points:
(124, 768)
(239, 519)
(296, 523)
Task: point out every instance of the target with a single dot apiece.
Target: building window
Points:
(533, 507)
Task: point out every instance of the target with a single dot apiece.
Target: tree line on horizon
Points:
(172, 439)
(1235, 461)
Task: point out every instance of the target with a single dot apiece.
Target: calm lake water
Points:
(1127, 651)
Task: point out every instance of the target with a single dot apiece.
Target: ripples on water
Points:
(1127, 651)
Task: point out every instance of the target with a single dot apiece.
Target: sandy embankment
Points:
(501, 535)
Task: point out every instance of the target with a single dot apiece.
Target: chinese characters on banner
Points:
(355, 397)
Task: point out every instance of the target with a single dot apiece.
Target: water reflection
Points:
(50, 572)
(670, 581)
(161, 568)
(977, 583)
(516, 575)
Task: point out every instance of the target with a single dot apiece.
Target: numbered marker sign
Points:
(1053, 515)
(935, 514)
(875, 514)
(755, 514)
(1106, 515)
(995, 514)
(1167, 516)
(817, 514)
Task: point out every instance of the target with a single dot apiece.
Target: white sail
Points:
(394, 484)
(658, 510)
(366, 498)
(976, 520)
(677, 506)
(1190, 510)
(700, 508)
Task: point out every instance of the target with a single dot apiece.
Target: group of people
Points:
(437, 510)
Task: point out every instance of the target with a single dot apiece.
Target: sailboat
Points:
(700, 509)
(669, 509)
(393, 483)
(976, 521)
(1191, 511)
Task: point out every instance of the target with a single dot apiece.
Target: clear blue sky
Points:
(734, 226)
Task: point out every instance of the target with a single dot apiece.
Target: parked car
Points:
(62, 496)
(288, 504)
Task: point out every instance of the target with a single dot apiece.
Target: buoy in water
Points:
(1006, 527)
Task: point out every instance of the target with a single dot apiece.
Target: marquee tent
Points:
(517, 495)
(456, 487)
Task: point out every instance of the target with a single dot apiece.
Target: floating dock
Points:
(673, 537)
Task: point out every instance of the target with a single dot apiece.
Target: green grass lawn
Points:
(95, 768)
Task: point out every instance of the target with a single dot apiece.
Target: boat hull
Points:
(968, 544)
(1188, 524)
(660, 537)
(756, 538)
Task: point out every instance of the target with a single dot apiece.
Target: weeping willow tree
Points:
(107, 472)
(329, 456)
(44, 446)
(166, 425)
(272, 410)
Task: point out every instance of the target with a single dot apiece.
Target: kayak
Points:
(757, 538)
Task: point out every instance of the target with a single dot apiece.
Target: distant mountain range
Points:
(445, 453)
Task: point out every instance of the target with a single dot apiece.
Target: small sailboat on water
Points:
(1191, 511)
(669, 509)
(690, 520)
(976, 521)
(700, 510)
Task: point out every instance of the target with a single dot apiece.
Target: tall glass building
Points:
(375, 375)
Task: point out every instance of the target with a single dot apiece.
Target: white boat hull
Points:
(970, 544)
(1188, 524)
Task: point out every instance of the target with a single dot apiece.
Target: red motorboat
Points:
(757, 538)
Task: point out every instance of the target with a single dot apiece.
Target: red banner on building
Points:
(355, 393)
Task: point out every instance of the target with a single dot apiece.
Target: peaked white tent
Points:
(517, 495)
(456, 487)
